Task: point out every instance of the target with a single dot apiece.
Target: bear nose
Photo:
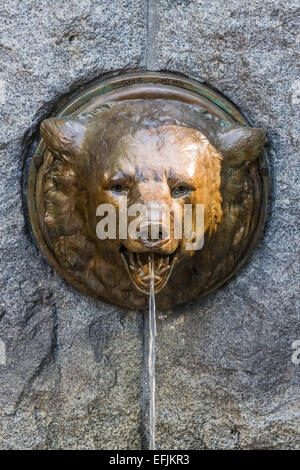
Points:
(153, 232)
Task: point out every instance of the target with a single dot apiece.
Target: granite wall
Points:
(71, 367)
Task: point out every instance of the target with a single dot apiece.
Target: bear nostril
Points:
(153, 232)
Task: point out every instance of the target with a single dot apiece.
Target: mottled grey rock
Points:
(225, 375)
(72, 373)
(225, 378)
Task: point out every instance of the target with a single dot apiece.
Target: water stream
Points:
(151, 355)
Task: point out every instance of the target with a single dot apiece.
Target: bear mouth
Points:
(138, 268)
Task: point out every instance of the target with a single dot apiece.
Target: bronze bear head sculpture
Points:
(162, 155)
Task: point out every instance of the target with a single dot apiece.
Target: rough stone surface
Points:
(225, 375)
(73, 366)
(225, 378)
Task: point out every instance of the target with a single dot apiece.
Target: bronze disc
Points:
(243, 195)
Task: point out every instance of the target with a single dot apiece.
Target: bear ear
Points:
(63, 136)
(240, 144)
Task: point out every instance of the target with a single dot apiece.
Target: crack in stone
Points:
(152, 31)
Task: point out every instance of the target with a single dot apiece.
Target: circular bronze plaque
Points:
(171, 139)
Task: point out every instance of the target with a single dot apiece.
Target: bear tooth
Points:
(164, 269)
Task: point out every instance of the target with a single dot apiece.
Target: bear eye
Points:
(180, 190)
(117, 188)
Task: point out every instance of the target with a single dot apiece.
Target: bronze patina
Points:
(156, 139)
